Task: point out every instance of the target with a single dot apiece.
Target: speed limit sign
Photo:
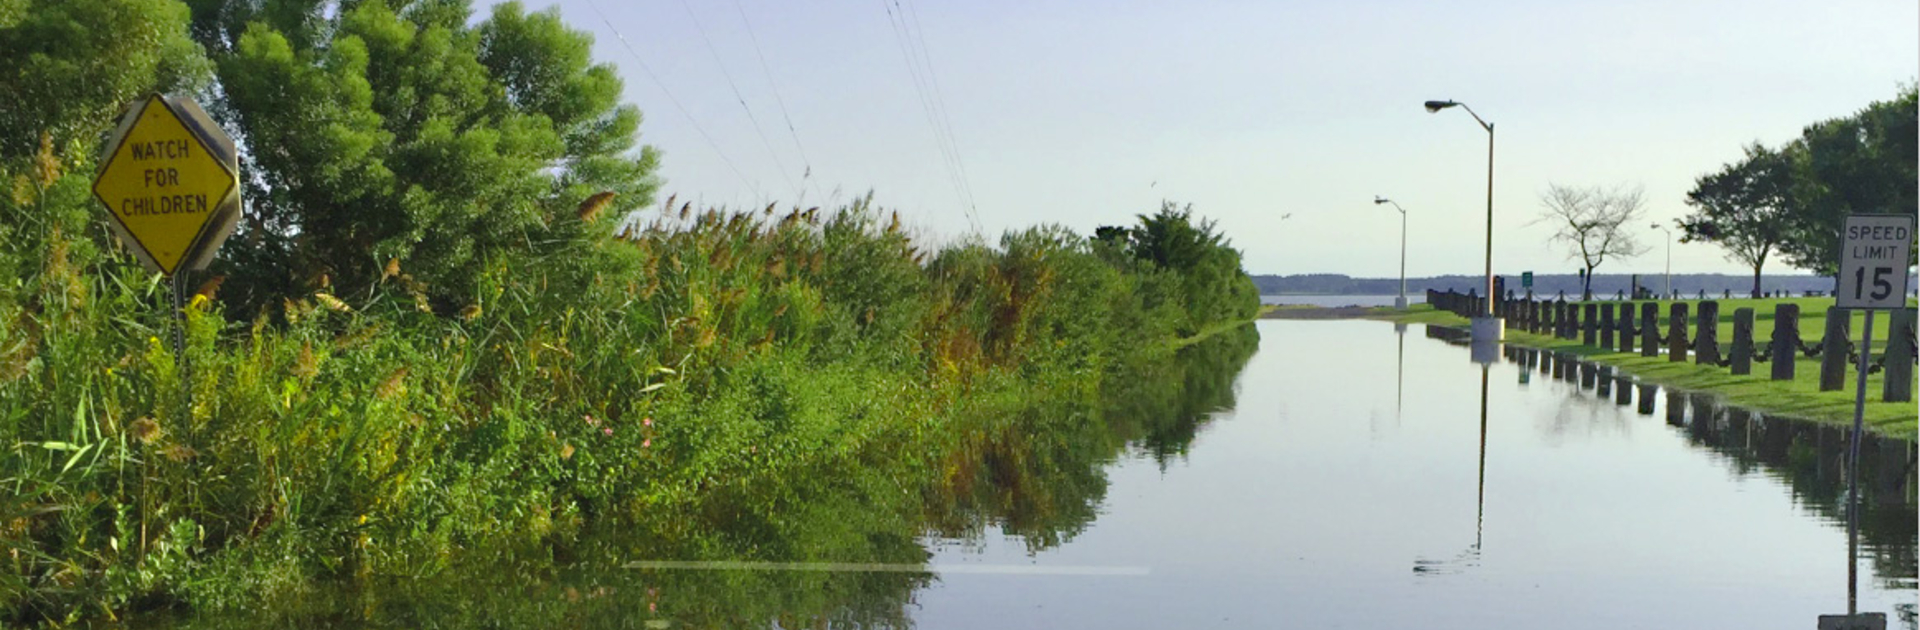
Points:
(1874, 250)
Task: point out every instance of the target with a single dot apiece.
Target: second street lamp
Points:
(1669, 293)
(1486, 327)
(1399, 303)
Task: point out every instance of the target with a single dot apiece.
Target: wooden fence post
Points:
(1626, 327)
(1833, 350)
(1589, 324)
(1676, 408)
(1606, 326)
(1898, 375)
(1786, 340)
(1741, 355)
(1677, 332)
(1603, 381)
(1588, 375)
(1622, 391)
(1573, 323)
(1706, 338)
(1650, 330)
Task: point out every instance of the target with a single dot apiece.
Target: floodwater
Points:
(1345, 489)
(1344, 492)
(1332, 301)
(1325, 474)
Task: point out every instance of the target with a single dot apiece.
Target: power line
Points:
(940, 106)
(715, 51)
(676, 102)
(785, 115)
(942, 143)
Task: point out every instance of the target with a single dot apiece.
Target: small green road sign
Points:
(1526, 279)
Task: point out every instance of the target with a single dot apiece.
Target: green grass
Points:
(1211, 330)
(1800, 397)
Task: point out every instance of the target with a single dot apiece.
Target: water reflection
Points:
(1809, 458)
(1290, 512)
(1471, 556)
(850, 550)
(1399, 370)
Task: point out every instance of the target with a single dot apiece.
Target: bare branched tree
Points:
(1593, 222)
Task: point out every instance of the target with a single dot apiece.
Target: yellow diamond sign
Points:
(170, 183)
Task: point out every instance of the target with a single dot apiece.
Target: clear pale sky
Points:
(1086, 113)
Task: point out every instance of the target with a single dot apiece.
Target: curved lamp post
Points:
(1486, 327)
(1399, 303)
(1669, 231)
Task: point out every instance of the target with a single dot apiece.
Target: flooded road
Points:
(1345, 489)
(1325, 474)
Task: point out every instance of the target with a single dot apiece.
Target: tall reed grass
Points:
(694, 367)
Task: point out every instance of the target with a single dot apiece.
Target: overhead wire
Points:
(806, 162)
(922, 89)
(942, 143)
(940, 106)
(737, 96)
(694, 122)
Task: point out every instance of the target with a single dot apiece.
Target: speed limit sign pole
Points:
(1874, 250)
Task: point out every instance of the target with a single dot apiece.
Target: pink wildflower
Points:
(608, 431)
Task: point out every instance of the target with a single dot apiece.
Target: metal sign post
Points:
(1874, 249)
(170, 182)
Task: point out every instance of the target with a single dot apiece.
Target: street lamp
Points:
(1669, 232)
(1399, 303)
(1486, 327)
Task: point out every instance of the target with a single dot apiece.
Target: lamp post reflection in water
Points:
(1399, 370)
(1471, 556)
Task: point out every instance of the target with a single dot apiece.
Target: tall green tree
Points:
(1746, 206)
(1859, 164)
(398, 136)
(67, 67)
(1211, 286)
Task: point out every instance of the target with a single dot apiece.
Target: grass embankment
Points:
(1800, 397)
(693, 378)
(1212, 329)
